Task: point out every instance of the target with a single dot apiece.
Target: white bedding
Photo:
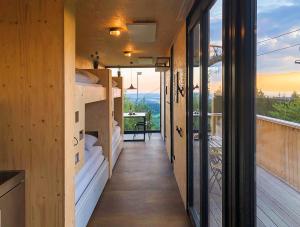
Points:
(116, 150)
(88, 200)
(85, 77)
(116, 144)
(93, 160)
(116, 134)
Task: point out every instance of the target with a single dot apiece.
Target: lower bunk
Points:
(90, 182)
(117, 145)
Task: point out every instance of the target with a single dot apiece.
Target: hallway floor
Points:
(142, 190)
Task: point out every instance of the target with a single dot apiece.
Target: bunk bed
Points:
(98, 136)
(118, 125)
(91, 160)
(117, 142)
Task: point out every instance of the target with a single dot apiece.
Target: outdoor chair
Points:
(215, 161)
(139, 126)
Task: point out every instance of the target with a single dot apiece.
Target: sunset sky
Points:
(276, 50)
(149, 81)
(277, 71)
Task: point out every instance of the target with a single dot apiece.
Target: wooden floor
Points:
(278, 204)
(142, 190)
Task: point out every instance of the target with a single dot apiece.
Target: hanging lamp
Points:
(131, 87)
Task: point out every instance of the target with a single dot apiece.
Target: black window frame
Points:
(239, 134)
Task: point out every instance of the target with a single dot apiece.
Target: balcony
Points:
(277, 172)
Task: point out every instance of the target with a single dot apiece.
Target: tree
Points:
(289, 110)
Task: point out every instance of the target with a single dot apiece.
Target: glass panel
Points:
(196, 118)
(144, 96)
(278, 113)
(215, 109)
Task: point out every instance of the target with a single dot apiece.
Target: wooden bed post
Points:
(119, 104)
(99, 115)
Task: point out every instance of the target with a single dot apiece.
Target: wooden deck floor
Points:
(142, 190)
(277, 203)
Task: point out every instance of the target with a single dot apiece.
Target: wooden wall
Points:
(168, 114)
(83, 63)
(36, 76)
(180, 162)
(162, 104)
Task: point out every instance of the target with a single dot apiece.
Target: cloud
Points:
(278, 20)
(269, 5)
(275, 18)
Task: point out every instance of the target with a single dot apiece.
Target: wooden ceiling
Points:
(95, 17)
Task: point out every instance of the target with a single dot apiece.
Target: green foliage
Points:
(140, 106)
(280, 108)
(289, 111)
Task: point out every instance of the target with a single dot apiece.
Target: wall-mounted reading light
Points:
(127, 53)
(115, 31)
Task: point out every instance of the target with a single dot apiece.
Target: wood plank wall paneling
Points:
(180, 162)
(162, 104)
(83, 63)
(119, 104)
(278, 151)
(35, 73)
(69, 118)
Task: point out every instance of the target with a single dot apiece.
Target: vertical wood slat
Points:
(98, 115)
(278, 151)
(35, 77)
(180, 165)
(119, 104)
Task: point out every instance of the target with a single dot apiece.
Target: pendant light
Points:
(119, 72)
(131, 87)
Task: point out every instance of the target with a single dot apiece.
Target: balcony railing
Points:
(278, 149)
(278, 146)
(277, 172)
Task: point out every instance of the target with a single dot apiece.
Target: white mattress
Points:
(93, 160)
(116, 150)
(115, 145)
(88, 201)
(116, 134)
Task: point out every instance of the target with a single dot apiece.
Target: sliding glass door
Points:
(205, 111)
(194, 122)
(221, 115)
(215, 115)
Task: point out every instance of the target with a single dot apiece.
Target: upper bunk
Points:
(88, 87)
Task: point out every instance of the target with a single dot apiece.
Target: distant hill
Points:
(149, 97)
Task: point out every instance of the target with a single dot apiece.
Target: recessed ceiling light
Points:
(127, 53)
(115, 31)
